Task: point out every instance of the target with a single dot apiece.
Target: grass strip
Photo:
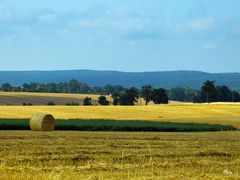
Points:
(117, 125)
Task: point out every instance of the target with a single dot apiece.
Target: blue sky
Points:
(136, 35)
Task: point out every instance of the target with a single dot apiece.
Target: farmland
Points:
(121, 155)
(18, 98)
(95, 155)
(226, 114)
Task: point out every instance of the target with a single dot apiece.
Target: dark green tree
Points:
(7, 87)
(129, 97)
(51, 87)
(177, 94)
(208, 92)
(41, 87)
(224, 94)
(87, 101)
(32, 87)
(115, 101)
(235, 96)
(108, 89)
(197, 97)
(126, 100)
(147, 93)
(133, 93)
(97, 90)
(102, 100)
(189, 94)
(115, 96)
(160, 96)
(62, 87)
(17, 89)
(73, 86)
(84, 88)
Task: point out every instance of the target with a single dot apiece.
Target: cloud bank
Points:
(119, 21)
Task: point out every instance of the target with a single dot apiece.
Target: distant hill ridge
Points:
(165, 79)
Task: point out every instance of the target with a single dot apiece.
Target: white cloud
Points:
(131, 27)
(47, 17)
(200, 24)
(119, 22)
(88, 23)
(209, 45)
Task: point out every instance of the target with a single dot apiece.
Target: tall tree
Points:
(115, 96)
(235, 96)
(224, 94)
(177, 94)
(126, 100)
(84, 88)
(189, 94)
(73, 86)
(147, 93)
(51, 87)
(160, 96)
(6, 87)
(208, 91)
(102, 100)
(133, 94)
(108, 89)
(129, 97)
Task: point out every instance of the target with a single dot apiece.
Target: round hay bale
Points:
(42, 122)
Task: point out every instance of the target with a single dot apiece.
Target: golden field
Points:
(18, 98)
(198, 113)
(114, 155)
(94, 155)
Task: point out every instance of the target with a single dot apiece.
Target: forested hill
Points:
(167, 79)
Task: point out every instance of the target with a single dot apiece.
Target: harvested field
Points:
(226, 114)
(18, 98)
(98, 155)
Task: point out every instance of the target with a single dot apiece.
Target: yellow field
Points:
(107, 155)
(213, 113)
(94, 155)
(17, 98)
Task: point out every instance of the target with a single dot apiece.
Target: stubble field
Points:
(123, 155)
(95, 155)
(18, 98)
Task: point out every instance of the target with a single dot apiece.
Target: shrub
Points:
(26, 104)
(72, 104)
(115, 101)
(51, 103)
(102, 100)
(87, 101)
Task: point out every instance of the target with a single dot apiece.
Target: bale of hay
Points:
(42, 122)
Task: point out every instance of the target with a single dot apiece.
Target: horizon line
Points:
(120, 71)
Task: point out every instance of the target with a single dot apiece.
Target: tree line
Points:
(72, 86)
(129, 97)
(209, 92)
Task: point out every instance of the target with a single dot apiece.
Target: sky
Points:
(123, 35)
